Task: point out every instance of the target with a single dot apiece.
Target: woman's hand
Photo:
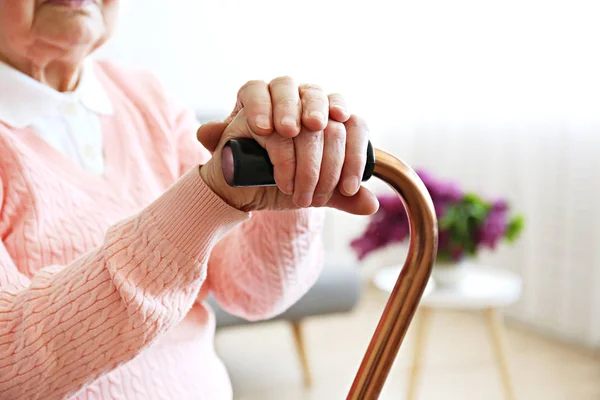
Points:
(322, 173)
(316, 162)
(282, 106)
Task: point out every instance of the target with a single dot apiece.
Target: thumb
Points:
(210, 133)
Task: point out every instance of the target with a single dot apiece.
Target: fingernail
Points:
(304, 200)
(290, 188)
(351, 186)
(288, 120)
(318, 115)
(263, 122)
(320, 200)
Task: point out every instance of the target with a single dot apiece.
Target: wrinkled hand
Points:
(317, 148)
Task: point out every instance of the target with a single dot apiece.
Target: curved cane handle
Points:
(245, 163)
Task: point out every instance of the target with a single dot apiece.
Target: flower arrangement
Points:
(466, 222)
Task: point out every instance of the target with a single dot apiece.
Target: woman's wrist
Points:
(214, 179)
(190, 214)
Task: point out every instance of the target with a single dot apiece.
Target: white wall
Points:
(397, 61)
(503, 96)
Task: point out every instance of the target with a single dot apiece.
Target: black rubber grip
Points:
(246, 163)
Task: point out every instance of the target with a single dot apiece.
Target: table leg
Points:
(301, 349)
(500, 347)
(422, 324)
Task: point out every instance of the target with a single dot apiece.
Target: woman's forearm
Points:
(70, 324)
(263, 267)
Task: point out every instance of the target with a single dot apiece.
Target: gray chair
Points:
(336, 291)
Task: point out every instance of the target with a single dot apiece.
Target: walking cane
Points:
(246, 163)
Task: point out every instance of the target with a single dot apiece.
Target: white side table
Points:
(482, 288)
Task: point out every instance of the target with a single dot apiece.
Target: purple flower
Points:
(493, 229)
(426, 177)
(458, 254)
(390, 224)
(440, 191)
(452, 193)
(500, 206)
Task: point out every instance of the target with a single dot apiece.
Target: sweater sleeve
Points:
(69, 324)
(266, 264)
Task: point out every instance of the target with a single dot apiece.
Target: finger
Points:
(283, 157)
(357, 140)
(364, 202)
(210, 133)
(255, 98)
(286, 106)
(338, 109)
(238, 128)
(334, 149)
(315, 107)
(309, 153)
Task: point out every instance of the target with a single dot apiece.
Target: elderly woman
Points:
(116, 223)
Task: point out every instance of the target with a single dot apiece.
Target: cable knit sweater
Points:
(102, 278)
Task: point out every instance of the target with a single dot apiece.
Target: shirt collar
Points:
(23, 99)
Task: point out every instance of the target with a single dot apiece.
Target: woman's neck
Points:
(60, 76)
(63, 78)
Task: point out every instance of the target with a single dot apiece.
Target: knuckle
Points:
(286, 157)
(309, 175)
(312, 140)
(281, 152)
(336, 98)
(339, 143)
(310, 171)
(283, 80)
(326, 185)
(356, 122)
(287, 161)
(249, 84)
(314, 101)
(313, 95)
(287, 165)
(262, 104)
(311, 88)
(328, 181)
(258, 104)
(287, 103)
(335, 131)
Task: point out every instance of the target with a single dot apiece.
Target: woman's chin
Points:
(67, 27)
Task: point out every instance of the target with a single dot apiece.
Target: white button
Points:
(89, 152)
(70, 108)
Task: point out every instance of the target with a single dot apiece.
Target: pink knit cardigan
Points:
(102, 278)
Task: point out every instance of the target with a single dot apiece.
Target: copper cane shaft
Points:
(404, 299)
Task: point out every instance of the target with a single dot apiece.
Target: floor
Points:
(263, 363)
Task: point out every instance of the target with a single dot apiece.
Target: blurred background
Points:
(501, 98)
